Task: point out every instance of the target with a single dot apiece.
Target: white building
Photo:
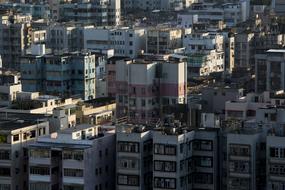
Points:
(32, 102)
(15, 136)
(186, 21)
(275, 154)
(242, 158)
(205, 52)
(245, 107)
(10, 85)
(229, 13)
(126, 42)
(108, 12)
(75, 158)
(168, 159)
(145, 87)
(165, 5)
(62, 37)
(270, 70)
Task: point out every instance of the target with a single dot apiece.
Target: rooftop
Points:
(13, 121)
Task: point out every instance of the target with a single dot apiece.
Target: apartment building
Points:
(15, 136)
(63, 75)
(100, 111)
(163, 40)
(206, 53)
(111, 75)
(231, 13)
(275, 162)
(245, 107)
(145, 87)
(244, 52)
(126, 42)
(168, 5)
(15, 34)
(33, 103)
(229, 48)
(108, 12)
(215, 98)
(81, 158)
(244, 160)
(269, 70)
(167, 159)
(186, 21)
(9, 86)
(61, 38)
(38, 36)
(36, 10)
(133, 160)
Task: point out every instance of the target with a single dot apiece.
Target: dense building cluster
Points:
(142, 94)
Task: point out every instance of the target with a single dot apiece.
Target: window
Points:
(73, 172)
(128, 163)
(73, 155)
(5, 154)
(203, 178)
(170, 150)
(159, 149)
(16, 138)
(73, 187)
(164, 166)
(6, 187)
(39, 170)
(239, 166)
(39, 153)
(239, 150)
(203, 145)
(131, 180)
(5, 172)
(143, 102)
(202, 161)
(128, 146)
(165, 149)
(166, 183)
(33, 134)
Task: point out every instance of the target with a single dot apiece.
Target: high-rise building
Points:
(270, 70)
(15, 136)
(64, 75)
(75, 158)
(144, 88)
(167, 159)
(15, 34)
(163, 40)
(126, 42)
(107, 12)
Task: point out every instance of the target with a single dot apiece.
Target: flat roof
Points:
(76, 128)
(13, 121)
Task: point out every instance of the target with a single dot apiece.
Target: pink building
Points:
(111, 75)
(145, 87)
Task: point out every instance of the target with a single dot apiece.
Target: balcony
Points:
(39, 178)
(73, 180)
(39, 161)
